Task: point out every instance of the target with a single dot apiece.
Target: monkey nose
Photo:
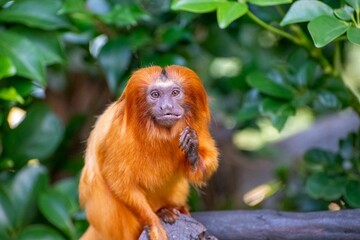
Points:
(166, 107)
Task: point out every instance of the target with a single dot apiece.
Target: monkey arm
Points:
(201, 154)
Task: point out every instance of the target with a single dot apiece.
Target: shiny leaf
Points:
(71, 6)
(114, 58)
(39, 14)
(277, 111)
(29, 63)
(344, 13)
(353, 34)
(316, 159)
(230, 11)
(304, 11)
(198, 6)
(334, 189)
(39, 232)
(124, 15)
(7, 216)
(316, 184)
(268, 86)
(10, 94)
(325, 29)
(7, 68)
(54, 207)
(269, 2)
(25, 188)
(354, 3)
(47, 44)
(328, 100)
(37, 136)
(352, 194)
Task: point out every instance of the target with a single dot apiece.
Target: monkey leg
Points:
(109, 219)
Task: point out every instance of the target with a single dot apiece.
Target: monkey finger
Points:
(176, 211)
(184, 140)
(183, 135)
(186, 144)
(186, 149)
(193, 134)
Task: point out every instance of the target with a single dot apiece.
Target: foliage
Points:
(38, 46)
(302, 82)
(26, 193)
(275, 70)
(335, 176)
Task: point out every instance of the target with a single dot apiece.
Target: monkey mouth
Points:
(169, 116)
(168, 119)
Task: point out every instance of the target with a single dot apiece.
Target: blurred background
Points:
(283, 79)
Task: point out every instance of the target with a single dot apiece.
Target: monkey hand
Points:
(189, 144)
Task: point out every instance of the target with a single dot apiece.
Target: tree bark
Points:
(269, 224)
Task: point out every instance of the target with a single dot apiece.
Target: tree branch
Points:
(269, 224)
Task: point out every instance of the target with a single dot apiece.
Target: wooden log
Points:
(269, 224)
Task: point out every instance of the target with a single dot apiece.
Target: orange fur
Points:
(134, 167)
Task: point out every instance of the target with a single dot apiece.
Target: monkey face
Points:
(165, 98)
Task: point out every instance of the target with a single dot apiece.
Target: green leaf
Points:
(69, 187)
(354, 3)
(269, 2)
(277, 111)
(71, 6)
(198, 6)
(328, 100)
(325, 29)
(7, 68)
(247, 113)
(7, 216)
(174, 34)
(54, 206)
(23, 86)
(25, 188)
(316, 184)
(124, 15)
(316, 159)
(47, 44)
(3, 2)
(268, 86)
(36, 137)
(344, 13)
(39, 232)
(334, 189)
(304, 75)
(29, 63)
(39, 14)
(352, 194)
(230, 11)
(353, 34)
(139, 38)
(10, 94)
(304, 11)
(3, 236)
(114, 58)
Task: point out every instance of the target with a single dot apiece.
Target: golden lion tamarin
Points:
(144, 151)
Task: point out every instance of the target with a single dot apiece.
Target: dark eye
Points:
(174, 93)
(155, 94)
